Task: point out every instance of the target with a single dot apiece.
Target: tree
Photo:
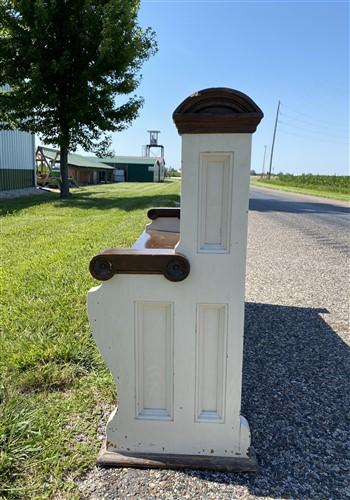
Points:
(68, 66)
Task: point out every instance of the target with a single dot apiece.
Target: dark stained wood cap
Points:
(217, 110)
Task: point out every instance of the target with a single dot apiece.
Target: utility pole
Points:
(263, 167)
(273, 139)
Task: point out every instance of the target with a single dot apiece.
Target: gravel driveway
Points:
(296, 383)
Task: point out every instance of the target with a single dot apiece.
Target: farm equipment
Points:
(48, 173)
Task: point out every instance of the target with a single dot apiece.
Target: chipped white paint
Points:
(175, 349)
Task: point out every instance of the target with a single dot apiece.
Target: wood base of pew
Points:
(172, 461)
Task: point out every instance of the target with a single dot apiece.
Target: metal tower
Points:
(153, 143)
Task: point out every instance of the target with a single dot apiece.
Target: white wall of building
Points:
(17, 150)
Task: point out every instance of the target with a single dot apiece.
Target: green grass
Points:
(53, 382)
(335, 187)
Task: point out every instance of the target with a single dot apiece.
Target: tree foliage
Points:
(69, 65)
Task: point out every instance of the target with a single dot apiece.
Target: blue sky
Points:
(293, 51)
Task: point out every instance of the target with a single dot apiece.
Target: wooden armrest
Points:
(154, 213)
(157, 239)
(174, 266)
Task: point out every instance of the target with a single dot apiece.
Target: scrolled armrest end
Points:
(173, 266)
(177, 268)
(101, 268)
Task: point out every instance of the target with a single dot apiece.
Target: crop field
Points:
(331, 186)
(54, 387)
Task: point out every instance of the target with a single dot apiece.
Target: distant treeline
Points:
(335, 183)
(171, 172)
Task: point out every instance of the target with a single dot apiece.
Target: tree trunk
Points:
(64, 171)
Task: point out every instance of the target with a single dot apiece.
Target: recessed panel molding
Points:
(211, 354)
(154, 360)
(214, 211)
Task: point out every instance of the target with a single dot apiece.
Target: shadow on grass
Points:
(11, 205)
(90, 200)
(296, 391)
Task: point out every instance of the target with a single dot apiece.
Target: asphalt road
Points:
(296, 374)
(324, 220)
(296, 383)
(298, 253)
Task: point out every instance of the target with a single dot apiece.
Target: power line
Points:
(312, 131)
(311, 117)
(310, 122)
(309, 134)
(308, 138)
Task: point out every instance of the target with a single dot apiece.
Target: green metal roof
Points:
(76, 160)
(83, 161)
(130, 160)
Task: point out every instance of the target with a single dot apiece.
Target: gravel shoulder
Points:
(296, 380)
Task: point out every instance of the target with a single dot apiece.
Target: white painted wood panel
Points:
(214, 214)
(154, 360)
(211, 354)
(216, 280)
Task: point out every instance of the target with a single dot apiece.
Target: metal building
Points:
(136, 168)
(17, 160)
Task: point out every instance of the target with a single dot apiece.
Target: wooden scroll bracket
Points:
(174, 266)
(154, 213)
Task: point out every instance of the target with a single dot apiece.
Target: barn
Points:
(85, 170)
(17, 160)
(135, 168)
(81, 169)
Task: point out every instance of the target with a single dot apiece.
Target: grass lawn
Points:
(54, 387)
(320, 191)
